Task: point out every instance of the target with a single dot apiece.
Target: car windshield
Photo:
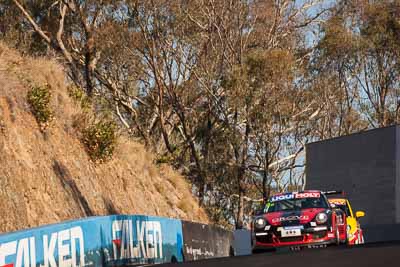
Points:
(296, 204)
(341, 204)
(343, 208)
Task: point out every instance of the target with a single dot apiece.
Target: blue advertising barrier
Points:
(96, 241)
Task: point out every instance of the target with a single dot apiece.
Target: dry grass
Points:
(160, 188)
(184, 205)
(47, 178)
(173, 180)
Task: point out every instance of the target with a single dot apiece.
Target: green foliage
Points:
(18, 34)
(100, 139)
(234, 97)
(358, 59)
(381, 27)
(168, 158)
(337, 41)
(162, 159)
(79, 96)
(39, 99)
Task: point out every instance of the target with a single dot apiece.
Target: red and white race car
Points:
(298, 219)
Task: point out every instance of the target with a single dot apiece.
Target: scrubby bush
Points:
(79, 97)
(100, 139)
(39, 100)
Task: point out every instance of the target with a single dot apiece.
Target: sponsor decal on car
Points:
(293, 227)
(337, 201)
(290, 218)
(295, 195)
(308, 195)
(282, 197)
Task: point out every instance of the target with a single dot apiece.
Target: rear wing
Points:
(333, 192)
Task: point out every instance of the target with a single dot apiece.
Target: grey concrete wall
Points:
(201, 241)
(242, 242)
(397, 186)
(365, 166)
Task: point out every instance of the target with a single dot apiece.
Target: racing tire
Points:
(337, 236)
(345, 241)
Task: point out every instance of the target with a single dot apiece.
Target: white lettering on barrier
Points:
(33, 253)
(48, 250)
(149, 240)
(116, 227)
(77, 234)
(63, 249)
(25, 250)
(140, 232)
(196, 252)
(7, 249)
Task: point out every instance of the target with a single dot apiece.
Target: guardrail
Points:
(112, 241)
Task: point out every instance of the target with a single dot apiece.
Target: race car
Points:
(353, 231)
(298, 219)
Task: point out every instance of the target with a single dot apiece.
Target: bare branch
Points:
(33, 23)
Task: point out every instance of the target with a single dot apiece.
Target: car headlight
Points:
(260, 223)
(321, 218)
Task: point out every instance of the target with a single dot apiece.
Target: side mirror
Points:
(360, 214)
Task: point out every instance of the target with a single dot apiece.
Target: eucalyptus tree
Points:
(215, 87)
(357, 63)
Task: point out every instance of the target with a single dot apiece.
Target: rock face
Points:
(47, 177)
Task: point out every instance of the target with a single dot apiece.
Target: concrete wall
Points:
(366, 166)
(95, 241)
(201, 241)
(116, 240)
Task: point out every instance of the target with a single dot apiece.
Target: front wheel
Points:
(345, 241)
(337, 243)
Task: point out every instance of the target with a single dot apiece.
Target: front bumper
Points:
(355, 238)
(311, 237)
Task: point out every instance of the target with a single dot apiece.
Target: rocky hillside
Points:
(48, 177)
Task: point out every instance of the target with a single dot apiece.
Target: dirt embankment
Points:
(48, 178)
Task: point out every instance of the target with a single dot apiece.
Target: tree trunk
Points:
(265, 175)
(162, 120)
(201, 194)
(264, 187)
(240, 213)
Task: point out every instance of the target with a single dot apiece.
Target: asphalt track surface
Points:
(379, 254)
